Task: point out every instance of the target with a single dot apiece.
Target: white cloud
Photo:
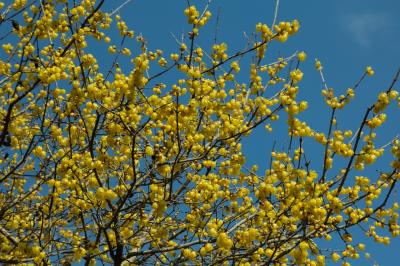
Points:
(365, 27)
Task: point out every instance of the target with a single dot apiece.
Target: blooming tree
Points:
(122, 166)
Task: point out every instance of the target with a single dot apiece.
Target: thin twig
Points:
(205, 9)
(121, 6)
(322, 78)
(275, 13)
(216, 25)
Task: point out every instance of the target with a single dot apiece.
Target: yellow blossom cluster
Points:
(135, 156)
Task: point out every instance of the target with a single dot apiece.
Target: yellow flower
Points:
(369, 71)
(335, 257)
(224, 242)
(302, 56)
(318, 65)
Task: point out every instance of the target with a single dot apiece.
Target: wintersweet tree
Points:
(124, 166)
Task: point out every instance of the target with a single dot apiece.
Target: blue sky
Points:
(346, 35)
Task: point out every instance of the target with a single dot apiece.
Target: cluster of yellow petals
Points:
(125, 167)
